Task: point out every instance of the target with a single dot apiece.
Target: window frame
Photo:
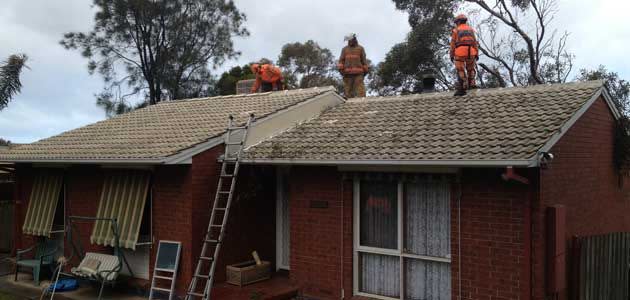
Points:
(400, 252)
(149, 202)
(62, 195)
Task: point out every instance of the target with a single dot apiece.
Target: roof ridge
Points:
(293, 91)
(585, 84)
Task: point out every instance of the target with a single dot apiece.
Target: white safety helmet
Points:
(350, 37)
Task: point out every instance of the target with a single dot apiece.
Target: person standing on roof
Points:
(353, 67)
(268, 77)
(465, 54)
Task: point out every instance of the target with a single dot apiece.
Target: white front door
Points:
(282, 219)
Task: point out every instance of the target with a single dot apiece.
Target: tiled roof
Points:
(158, 131)
(493, 124)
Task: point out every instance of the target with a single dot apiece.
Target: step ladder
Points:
(154, 288)
(213, 238)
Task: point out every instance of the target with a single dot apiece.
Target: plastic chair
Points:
(44, 256)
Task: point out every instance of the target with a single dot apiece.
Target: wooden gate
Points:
(602, 263)
(6, 226)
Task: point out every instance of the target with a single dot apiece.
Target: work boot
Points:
(460, 92)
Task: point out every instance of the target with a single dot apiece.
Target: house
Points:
(410, 197)
(154, 169)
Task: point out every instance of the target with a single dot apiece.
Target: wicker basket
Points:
(247, 272)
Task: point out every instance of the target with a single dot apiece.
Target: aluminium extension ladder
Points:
(220, 211)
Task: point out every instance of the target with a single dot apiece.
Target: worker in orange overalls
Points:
(353, 67)
(465, 54)
(268, 78)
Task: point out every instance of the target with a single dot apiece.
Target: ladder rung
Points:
(196, 294)
(206, 258)
(224, 192)
(162, 277)
(216, 225)
(211, 241)
(237, 128)
(203, 276)
(234, 143)
(220, 208)
(227, 175)
(161, 289)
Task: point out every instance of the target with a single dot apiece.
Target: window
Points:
(402, 238)
(59, 219)
(123, 197)
(43, 203)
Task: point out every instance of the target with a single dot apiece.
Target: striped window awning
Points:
(123, 198)
(43, 203)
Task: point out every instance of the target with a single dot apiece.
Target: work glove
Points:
(452, 59)
(477, 58)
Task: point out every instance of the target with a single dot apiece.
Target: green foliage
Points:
(622, 145)
(10, 83)
(618, 88)
(424, 50)
(226, 85)
(308, 65)
(156, 50)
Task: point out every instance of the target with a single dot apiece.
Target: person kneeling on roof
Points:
(268, 77)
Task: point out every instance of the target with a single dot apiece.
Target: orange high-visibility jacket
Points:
(269, 74)
(353, 61)
(464, 42)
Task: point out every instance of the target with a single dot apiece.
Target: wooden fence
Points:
(603, 265)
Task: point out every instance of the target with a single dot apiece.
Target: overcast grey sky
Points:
(58, 93)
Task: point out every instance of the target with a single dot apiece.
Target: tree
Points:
(425, 49)
(226, 85)
(10, 84)
(619, 88)
(4, 142)
(157, 50)
(517, 44)
(308, 65)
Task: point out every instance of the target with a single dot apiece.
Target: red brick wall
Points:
(182, 198)
(251, 224)
(494, 233)
(494, 243)
(172, 216)
(582, 177)
(316, 232)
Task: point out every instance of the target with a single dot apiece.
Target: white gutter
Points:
(433, 163)
(90, 161)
